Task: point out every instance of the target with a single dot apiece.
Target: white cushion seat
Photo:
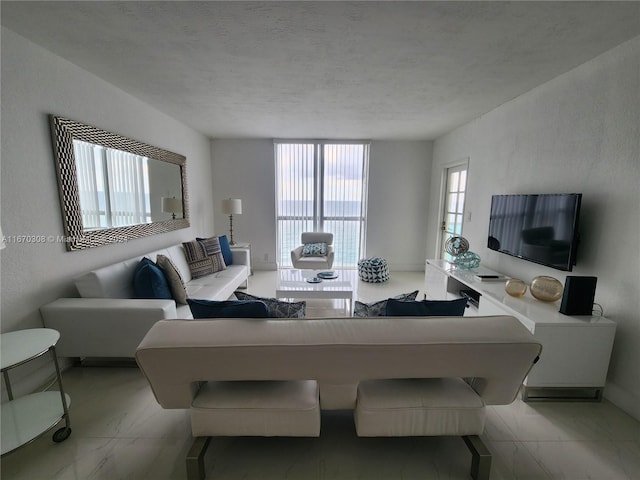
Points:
(257, 408)
(418, 407)
(219, 285)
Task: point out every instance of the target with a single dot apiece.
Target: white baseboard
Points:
(268, 266)
(623, 399)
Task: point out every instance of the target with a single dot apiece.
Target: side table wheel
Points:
(61, 434)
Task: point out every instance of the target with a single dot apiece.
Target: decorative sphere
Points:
(546, 289)
(467, 260)
(456, 246)
(515, 287)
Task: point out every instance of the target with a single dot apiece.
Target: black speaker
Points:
(578, 295)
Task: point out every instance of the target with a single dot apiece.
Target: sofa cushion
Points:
(227, 309)
(379, 309)
(219, 285)
(201, 264)
(277, 308)
(426, 308)
(418, 407)
(171, 273)
(149, 281)
(318, 249)
(264, 408)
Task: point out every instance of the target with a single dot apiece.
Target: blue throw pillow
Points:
(226, 249)
(228, 309)
(426, 308)
(149, 281)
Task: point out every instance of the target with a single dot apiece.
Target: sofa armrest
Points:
(296, 253)
(103, 327)
(241, 256)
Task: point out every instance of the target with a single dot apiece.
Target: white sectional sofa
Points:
(108, 321)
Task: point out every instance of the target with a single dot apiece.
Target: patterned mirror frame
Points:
(63, 131)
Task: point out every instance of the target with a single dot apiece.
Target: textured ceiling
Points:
(379, 70)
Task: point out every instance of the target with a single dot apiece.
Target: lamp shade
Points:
(171, 205)
(232, 206)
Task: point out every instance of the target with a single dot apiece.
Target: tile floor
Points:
(119, 432)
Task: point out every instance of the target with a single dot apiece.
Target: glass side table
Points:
(26, 418)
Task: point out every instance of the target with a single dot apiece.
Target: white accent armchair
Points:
(313, 262)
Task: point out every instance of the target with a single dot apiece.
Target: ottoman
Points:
(373, 270)
(257, 409)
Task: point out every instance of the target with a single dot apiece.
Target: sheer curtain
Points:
(322, 186)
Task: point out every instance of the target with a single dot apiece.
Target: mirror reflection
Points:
(118, 188)
(113, 188)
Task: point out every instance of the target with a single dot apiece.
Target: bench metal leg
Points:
(480, 457)
(195, 458)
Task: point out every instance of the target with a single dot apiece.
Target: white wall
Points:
(399, 180)
(36, 83)
(245, 169)
(577, 133)
(398, 192)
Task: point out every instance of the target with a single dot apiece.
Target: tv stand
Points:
(575, 349)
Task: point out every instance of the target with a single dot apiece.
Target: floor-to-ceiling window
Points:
(322, 186)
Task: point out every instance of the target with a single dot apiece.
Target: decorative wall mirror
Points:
(113, 188)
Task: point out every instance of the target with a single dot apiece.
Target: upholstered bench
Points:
(418, 407)
(402, 376)
(424, 407)
(263, 408)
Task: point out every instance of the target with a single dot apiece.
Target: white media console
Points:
(575, 349)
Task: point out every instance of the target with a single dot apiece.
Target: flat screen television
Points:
(539, 228)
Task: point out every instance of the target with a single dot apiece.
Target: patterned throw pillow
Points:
(379, 309)
(214, 249)
(314, 249)
(199, 262)
(277, 308)
(176, 283)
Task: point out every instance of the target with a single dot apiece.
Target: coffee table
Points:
(292, 283)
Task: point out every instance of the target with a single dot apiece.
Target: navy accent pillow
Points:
(228, 309)
(149, 281)
(379, 309)
(426, 308)
(226, 249)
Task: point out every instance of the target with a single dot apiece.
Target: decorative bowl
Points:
(515, 287)
(546, 289)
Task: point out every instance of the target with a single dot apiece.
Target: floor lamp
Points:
(231, 207)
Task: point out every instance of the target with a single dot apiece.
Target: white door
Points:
(453, 201)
